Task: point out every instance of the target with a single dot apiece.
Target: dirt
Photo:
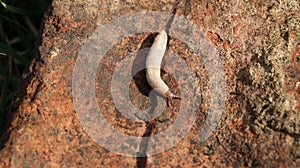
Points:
(257, 42)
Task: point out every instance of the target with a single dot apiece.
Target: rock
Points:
(258, 49)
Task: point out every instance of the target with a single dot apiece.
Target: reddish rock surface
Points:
(258, 43)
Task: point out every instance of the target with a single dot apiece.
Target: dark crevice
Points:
(144, 87)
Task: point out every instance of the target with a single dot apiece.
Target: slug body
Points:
(153, 64)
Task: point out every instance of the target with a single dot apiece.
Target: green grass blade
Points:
(17, 58)
(16, 9)
(15, 22)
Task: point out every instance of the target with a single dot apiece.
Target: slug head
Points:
(170, 96)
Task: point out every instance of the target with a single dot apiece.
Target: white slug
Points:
(153, 64)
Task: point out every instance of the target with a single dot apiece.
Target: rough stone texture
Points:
(258, 42)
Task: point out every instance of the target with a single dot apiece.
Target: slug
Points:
(153, 64)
